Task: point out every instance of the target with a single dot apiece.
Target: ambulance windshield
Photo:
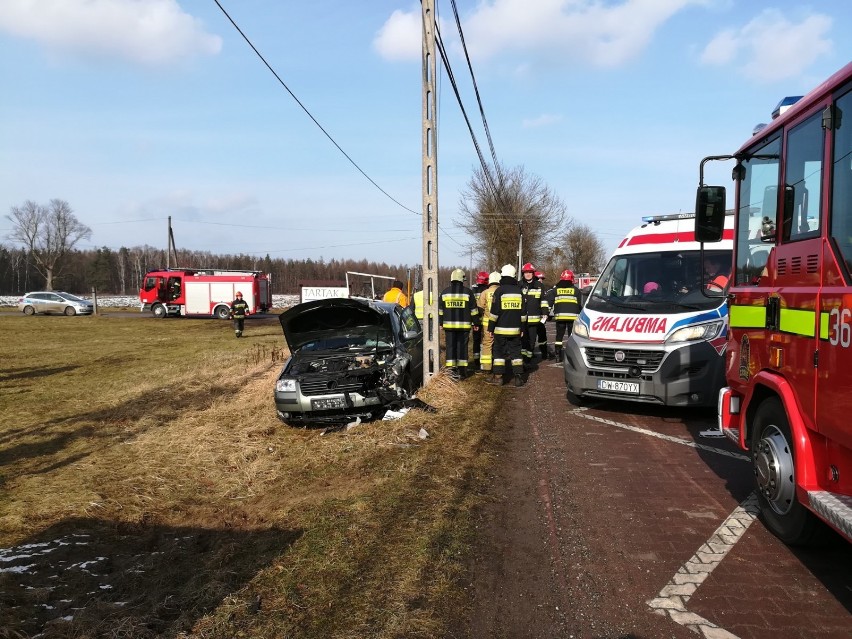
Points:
(662, 282)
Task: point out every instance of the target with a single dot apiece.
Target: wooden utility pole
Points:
(431, 347)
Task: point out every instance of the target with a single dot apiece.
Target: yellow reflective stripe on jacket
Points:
(564, 317)
(501, 330)
(747, 316)
(798, 321)
(457, 325)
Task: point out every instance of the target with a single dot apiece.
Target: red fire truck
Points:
(788, 398)
(203, 292)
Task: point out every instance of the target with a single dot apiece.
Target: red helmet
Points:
(482, 277)
(568, 275)
(539, 275)
(528, 268)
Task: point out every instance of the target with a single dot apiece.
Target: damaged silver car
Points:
(349, 358)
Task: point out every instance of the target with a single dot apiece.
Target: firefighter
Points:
(239, 310)
(484, 302)
(476, 289)
(533, 306)
(541, 331)
(457, 312)
(565, 297)
(395, 294)
(505, 322)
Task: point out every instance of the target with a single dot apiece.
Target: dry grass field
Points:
(147, 489)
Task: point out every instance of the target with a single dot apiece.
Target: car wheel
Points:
(158, 311)
(69, 311)
(773, 462)
(29, 310)
(223, 312)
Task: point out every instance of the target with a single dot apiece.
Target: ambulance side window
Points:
(803, 180)
(841, 201)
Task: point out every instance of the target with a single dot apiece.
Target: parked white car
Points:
(54, 302)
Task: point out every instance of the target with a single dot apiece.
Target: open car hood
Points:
(336, 317)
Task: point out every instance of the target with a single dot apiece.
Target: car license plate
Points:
(618, 387)
(327, 403)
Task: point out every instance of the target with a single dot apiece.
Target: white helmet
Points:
(457, 275)
(494, 277)
(508, 271)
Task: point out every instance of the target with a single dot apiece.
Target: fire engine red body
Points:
(203, 292)
(788, 398)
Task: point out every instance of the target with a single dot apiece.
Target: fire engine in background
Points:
(204, 292)
(789, 359)
(650, 331)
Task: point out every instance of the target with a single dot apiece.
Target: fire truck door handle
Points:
(773, 313)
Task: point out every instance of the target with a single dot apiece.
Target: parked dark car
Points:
(54, 302)
(349, 358)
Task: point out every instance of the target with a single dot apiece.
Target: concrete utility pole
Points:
(431, 348)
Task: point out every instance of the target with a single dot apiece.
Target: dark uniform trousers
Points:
(456, 343)
(507, 350)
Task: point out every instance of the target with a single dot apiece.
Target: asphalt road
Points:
(622, 520)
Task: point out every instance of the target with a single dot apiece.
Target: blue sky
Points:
(136, 110)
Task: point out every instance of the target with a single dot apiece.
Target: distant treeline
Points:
(120, 272)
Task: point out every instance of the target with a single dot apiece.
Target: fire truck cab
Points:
(654, 327)
(203, 292)
(789, 357)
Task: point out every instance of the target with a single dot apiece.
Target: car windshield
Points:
(662, 282)
(357, 340)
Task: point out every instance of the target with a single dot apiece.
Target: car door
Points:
(413, 345)
(54, 303)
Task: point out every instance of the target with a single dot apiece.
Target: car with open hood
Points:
(349, 358)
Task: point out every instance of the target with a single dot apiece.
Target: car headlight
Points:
(580, 329)
(695, 333)
(285, 386)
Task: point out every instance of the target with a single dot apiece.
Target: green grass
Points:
(203, 513)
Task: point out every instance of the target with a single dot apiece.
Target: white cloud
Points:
(400, 37)
(150, 32)
(602, 34)
(545, 119)
(770, 47)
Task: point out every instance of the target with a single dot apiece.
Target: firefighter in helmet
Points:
(505, 322)
(457, 313)
(486, 358)
(476, 289)
(239, 310)
(565, 300)
(534, 305)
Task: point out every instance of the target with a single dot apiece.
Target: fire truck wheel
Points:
(158, 310)
(774, 471)
(223, 312)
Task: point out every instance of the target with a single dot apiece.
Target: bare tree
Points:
(581, 250)
(498, 208)
(48, 233)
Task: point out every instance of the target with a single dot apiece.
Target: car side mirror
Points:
(709, 213)
(407, 335)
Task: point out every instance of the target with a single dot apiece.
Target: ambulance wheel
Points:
(223, 312)
(158, 311)
(773, 462)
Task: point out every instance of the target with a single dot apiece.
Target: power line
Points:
(310, 115)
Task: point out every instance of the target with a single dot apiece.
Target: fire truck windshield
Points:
(662, 282)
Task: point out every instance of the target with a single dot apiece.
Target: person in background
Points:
(239, 310)
(541, 331)
(565, 307)
(457, 312)
(396, 294)
(505, 322)
(476, 289)
(532, 312)
(484, 302)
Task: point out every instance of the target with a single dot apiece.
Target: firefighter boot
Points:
(558, 352)
(491, 378)
(519, 380)
(543, 350)
(238, 333)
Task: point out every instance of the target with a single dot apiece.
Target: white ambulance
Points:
(654, 327)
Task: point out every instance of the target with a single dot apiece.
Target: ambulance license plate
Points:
(328, 403)
(618, 387)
